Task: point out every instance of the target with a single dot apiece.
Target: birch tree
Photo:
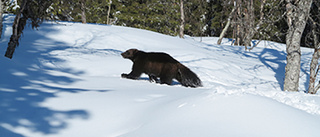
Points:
(238, 23)
(250, 19)
(224, 31)
(244, 21)
(297, 12)
(181, 32)
(312, 33)
(109, 9)
(314, 69)
(83, 11)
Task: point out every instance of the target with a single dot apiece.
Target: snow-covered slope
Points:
(64, 80)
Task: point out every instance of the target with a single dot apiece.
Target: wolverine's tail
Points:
(187, 78)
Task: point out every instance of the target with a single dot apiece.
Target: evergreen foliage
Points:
(156, 15)
(33, 10)
(202, 17)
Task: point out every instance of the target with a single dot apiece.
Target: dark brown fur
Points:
(162, 65)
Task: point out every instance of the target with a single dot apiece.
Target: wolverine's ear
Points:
(134, 51)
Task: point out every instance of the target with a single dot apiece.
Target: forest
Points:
(293, 22)
(201, 17)
(61, 68)
(257, 19)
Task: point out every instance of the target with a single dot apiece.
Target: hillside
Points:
(64, 81)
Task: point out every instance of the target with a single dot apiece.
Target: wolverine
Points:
(159, 65)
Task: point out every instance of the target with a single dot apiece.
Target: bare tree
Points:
(297, 12)
(181, 33)
(313, 36)
(250, 19)
(243, 20)
(238, 23)
(109, 9)
(314, 69)
(224, 31)
(83, 11)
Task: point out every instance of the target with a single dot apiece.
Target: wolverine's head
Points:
(129, 54)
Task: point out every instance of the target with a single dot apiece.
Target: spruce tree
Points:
(36, 11)
(155, 15)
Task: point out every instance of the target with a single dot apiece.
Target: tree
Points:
(311, 39)
(224, 31)
(155, 15)
(181, 31)
(195, 17)
(36, 11)
(314, 69)
(1, 13)
(274, 26)
(217, 11)
(245, 21)
(17, 27)
(109, 10)
(61, 10)
(250, 19)
(83, 11)
(297, 15)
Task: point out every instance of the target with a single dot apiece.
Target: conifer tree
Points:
(195, 17)
(36, 11)
(156, 15)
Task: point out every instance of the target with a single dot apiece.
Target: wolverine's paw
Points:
(153, 78)
(123, 75)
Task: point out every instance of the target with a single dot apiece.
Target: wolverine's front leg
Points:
(130, 75)
(134, 74)
(123, 75)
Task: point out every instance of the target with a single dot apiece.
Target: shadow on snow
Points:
(269, 57)
(20, 96)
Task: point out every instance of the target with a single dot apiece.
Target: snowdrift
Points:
(64, 80)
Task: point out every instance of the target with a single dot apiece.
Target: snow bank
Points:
(64, 80)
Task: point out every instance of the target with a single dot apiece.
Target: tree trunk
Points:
(108, 14)
(1, 14)
(249, 24)
(254, 28)
(17, 27)
(313, 71)
(83, 12)
(239, 24)
(181, 33)
(314, 67)
(223, 33)
(296, 18)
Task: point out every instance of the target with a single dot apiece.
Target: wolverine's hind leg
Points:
(167, 74)
(166, 80)
(153, 78)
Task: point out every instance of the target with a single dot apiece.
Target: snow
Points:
(64, 80)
